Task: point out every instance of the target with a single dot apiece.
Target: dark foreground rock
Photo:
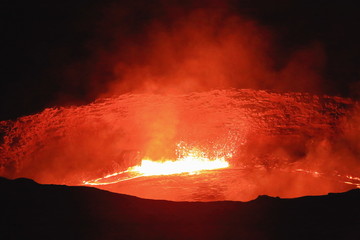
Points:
(34, 211)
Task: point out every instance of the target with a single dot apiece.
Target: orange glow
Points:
(189, 164)
(191, 161)
(206, 146)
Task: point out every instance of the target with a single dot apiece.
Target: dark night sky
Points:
(47, 47)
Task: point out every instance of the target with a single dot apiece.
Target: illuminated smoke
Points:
(188, 49)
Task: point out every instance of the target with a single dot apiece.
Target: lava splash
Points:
(188, 162)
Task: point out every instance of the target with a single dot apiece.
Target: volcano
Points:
(180, 120)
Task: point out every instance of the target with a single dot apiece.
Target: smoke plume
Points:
(184, 49)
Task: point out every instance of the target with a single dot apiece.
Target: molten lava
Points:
(191, 161)
(190, 164)
(217, 145)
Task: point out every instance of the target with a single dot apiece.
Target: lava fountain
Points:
(217, 145)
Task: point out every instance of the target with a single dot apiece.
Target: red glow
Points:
(278, 144)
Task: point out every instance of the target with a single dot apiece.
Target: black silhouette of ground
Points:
(34, 211)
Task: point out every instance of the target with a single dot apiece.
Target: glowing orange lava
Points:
(191, 161)
(206, 146)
